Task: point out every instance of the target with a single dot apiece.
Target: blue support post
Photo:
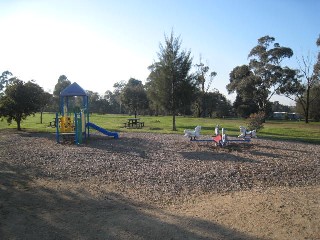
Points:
(57, 128)
(88, 115)
(76, 139)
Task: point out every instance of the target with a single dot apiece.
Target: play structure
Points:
(72, 122)
(220, 139)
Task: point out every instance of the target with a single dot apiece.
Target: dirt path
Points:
(50, 191)
(276, 213)
(64, 210)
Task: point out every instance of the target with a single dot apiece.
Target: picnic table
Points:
(134, 122)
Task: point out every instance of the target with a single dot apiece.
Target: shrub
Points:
(256, 121)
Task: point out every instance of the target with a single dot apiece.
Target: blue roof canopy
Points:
(73, 90)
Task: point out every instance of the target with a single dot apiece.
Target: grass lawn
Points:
(278, 130)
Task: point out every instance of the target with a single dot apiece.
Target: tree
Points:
(20, 100)
(243, 82)
(301, 83)
(315, 108)
(278, 107)
(304, 87)
(62, 83)
(169, 80)
(223, 105)
(111, 101)
(134, 96)
(264, 75)
(317, 65)
(204, 79)
(244, 106)
(116, 96)
(45, 99)
(315, 105)
(153, 92)
(5, 80)
(97, 103)
(217, 105)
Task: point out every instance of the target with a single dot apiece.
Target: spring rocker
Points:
(220, 139)
(193, 134)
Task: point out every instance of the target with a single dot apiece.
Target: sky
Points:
(97, 43)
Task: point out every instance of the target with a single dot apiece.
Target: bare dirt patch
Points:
(156, 186)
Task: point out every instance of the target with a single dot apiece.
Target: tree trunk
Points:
(173, 106)
(307, 106)
(199, 111)
(174, 128)
(19, 125)
(203, 106)
(41, 117)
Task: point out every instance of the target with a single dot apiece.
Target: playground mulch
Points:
(157, 186)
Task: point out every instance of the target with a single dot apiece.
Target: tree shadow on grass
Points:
(29, 210)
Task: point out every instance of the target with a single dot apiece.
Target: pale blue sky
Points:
(97, 43)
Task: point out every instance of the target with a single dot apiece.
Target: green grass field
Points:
(278, 130)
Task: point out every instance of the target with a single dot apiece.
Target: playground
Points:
(86, 182)
(157, 186)
(72, 122)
